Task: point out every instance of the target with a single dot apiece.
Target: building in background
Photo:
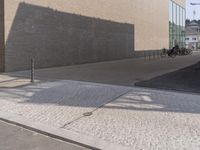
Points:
(193, 35)
(68, 32)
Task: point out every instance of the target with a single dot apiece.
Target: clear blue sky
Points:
(190, 9)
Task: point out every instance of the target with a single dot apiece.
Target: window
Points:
(194, 39)
(176, 25)
(170, 22)
(187, 39)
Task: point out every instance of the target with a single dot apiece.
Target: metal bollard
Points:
(158, 55)
(154, 56)
(149, 56)
(32, 70)
(145, 57)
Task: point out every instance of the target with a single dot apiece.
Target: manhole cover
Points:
(87, 114)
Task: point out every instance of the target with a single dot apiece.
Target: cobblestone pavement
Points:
(136, 117)
(147, 119)
(7, 81)
(57, 103)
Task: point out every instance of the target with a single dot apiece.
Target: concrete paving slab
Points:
(146, 119)
(61, 134)
(13, 137)
(57, 103)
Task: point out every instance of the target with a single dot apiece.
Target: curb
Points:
(61, 134)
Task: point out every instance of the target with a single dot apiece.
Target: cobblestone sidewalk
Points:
(135, 117)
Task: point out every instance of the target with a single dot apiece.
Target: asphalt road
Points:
(125, 72)
(185, 79)
(16, 138)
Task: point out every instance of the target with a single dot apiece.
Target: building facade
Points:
(68, 32)
(177, 17)
(193, 35)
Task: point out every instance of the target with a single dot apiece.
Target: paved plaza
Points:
(127, 117)
(135, 117)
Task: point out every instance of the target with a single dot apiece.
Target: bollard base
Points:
(32, 70)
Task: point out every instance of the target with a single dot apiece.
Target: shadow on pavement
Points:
(80, 95)
(8, 81)
(157, 102)
(186, 79)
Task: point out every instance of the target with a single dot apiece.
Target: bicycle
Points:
(174, 52)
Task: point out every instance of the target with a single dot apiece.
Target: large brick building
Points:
(67, 32)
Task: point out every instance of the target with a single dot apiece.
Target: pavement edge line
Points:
(61, 134)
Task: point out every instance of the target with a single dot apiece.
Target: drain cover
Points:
(87, 114)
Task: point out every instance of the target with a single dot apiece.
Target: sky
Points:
(190, 9)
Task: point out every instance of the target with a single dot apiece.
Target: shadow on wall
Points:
(56, 38)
